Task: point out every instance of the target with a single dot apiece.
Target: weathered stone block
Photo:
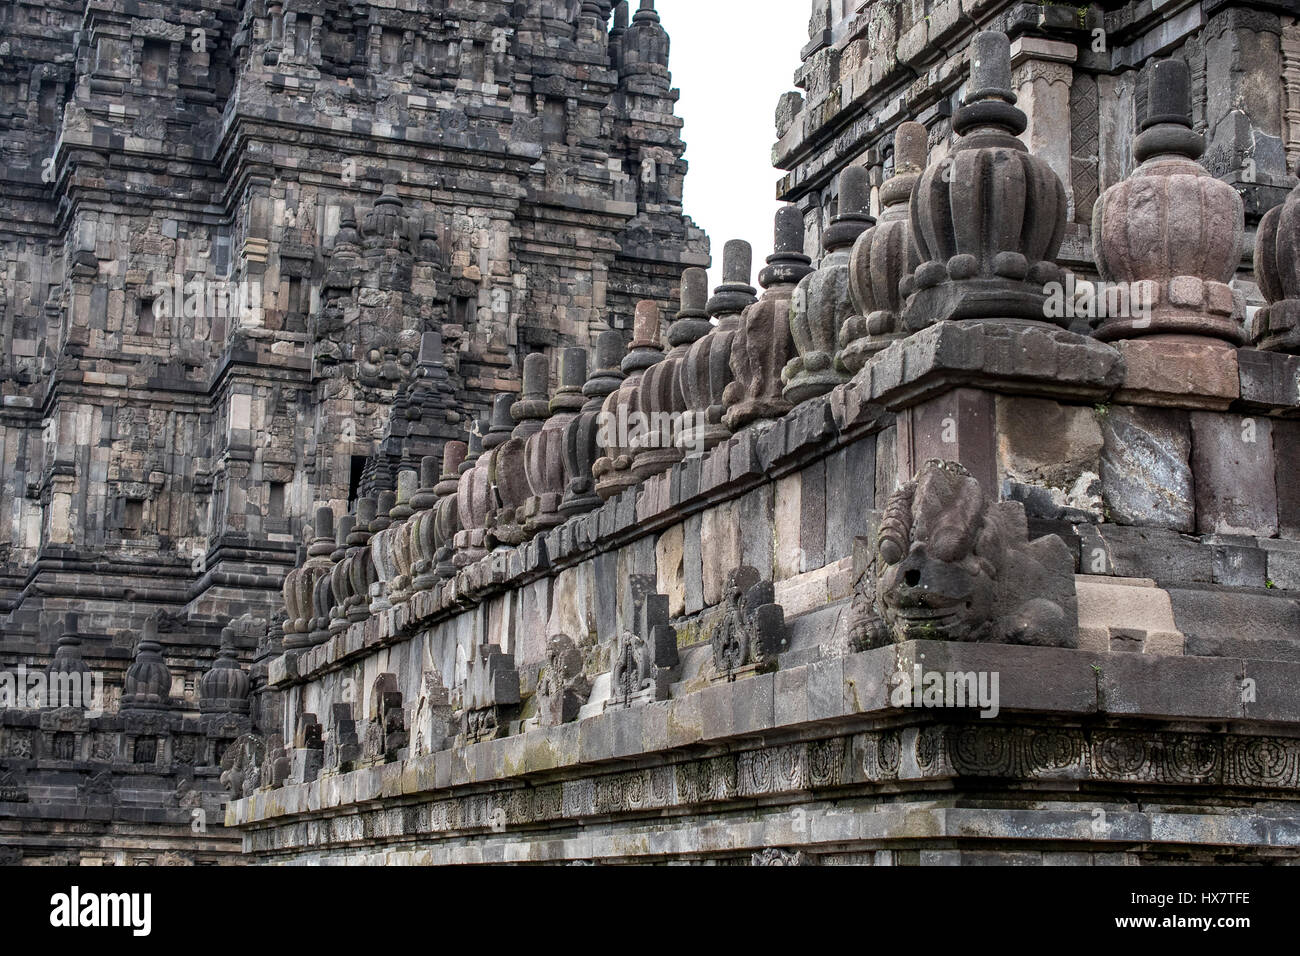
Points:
(1232, 460)
(1146, 469)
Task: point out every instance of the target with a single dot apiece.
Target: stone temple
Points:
(370, 433)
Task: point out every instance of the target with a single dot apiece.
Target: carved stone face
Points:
(950, 566)
(927, 598)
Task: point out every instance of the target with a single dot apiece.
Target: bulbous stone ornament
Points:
(705, 372)
(762, 344)
(507, 462)
(361, 565)
(301, 629)
(1171, 231)
(544, 451)
(988, 219)
(882, 257)
(423, 545)
(662, 402)
(148, 681)
(400, 536)
(381, 552)
(1276, 327)
(621, 412)
(473, 493)
(225, 687)
(456, 461)
(581, 448)
(821, 302)
(340, 575)
(438, 531)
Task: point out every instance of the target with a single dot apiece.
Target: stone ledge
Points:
(916, 832)
(847, 693)
(1014, 357)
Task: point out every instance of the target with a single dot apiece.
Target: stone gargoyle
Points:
(948, 565)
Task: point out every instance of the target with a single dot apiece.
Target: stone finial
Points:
(341, 575)
(1276, 327)
(382, 551)
(821, 303)
(706, 369)
(882, 257)
(990, 69)
(949, 565)
(401, 540)
(613, 470)
(360, 565)
(643, 48)
(225, 688)
(446, 515)
(1169, 237)
(544, 450)
(307, 623)
(473, 498)
(508, 461)
(148, 681)
(989, 218)
(426, 495)
(69, 673)
(661, 399)
(647, 13)
(762, 345)
(581, 445)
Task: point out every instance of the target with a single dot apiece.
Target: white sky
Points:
(732, 60)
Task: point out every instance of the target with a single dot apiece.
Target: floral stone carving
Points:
(822, 303)
(882, 257)
(1171, 231)
(762, 345)
(988, 219)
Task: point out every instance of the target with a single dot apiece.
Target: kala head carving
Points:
(949, 565)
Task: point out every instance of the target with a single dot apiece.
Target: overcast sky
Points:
(732, 60)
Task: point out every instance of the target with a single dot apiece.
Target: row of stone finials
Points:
(974, 236)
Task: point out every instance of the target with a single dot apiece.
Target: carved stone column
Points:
(989, 218)
(822, 303)
(1171, 232)
(762, 345)
(706, 372)
(613, 470)
(1291, 85)
(882, 257)
(662, 401)
(1042, 75)
(581, 447)
(544, 450)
